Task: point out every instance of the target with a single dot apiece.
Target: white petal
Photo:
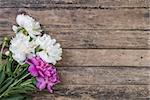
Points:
(51, 50)
(43, 56)
(32, 27)
(21, 47)
(15, 28)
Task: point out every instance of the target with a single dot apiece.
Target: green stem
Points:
(16, 69)
(6, 92)
(20, 80)
(1, 53)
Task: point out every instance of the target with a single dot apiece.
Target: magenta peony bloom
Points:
(45, 73)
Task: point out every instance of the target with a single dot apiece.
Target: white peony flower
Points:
(21, 47)
(15, 28)
(51, 51)
(29, 24)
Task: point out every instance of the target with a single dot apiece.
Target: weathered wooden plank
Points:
(97, 92)
(105, 57)
(74, 3)
(104, 76)
(98, 38)
(80, 18)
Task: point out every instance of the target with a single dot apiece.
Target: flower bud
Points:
(7, 53)
(6, 39)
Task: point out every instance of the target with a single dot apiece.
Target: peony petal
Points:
(43, 56)
(39, 79)
(53, 79)
(14, 28)
(47, 73)
(41, 73)
(28, 61)
(33, 70)
(34, 61)
(49, 87)
(41, 84)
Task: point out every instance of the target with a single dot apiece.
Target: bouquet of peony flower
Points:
(27, 61)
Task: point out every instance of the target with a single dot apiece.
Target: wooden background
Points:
(106, 45)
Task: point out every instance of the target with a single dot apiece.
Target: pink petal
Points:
(49, 87)
(42, 63)
(33, 70)
(34, 61)
(53, 79)
(41, 73)
(29, 62)
(47, 73)
(41, 84)
(40, 79)
(39, 67)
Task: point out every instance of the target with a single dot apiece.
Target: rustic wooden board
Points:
(106, 45)
(104, 76)
(84, 39)
(74, 3)
(97, 92)
(105, 57)
(81, 18)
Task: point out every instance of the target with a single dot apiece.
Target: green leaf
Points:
(14, 97)
(29, 81)
(21, 29)
(33, 80)
(2, 76)
(30, 39)
(22, 73)
(14, 65)
(25, 87)
(4, 56)
(6, 84)
(38, 49)
(25, 65)
(9, 66)
(1, 67)
(15, 88)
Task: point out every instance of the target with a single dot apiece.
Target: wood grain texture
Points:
(106, 45)
(97, 39)
(97, 92)
(81, 19)
(105, 57)
(104, 76)
(74, 3)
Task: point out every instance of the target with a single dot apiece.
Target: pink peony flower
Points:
(45, 73)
